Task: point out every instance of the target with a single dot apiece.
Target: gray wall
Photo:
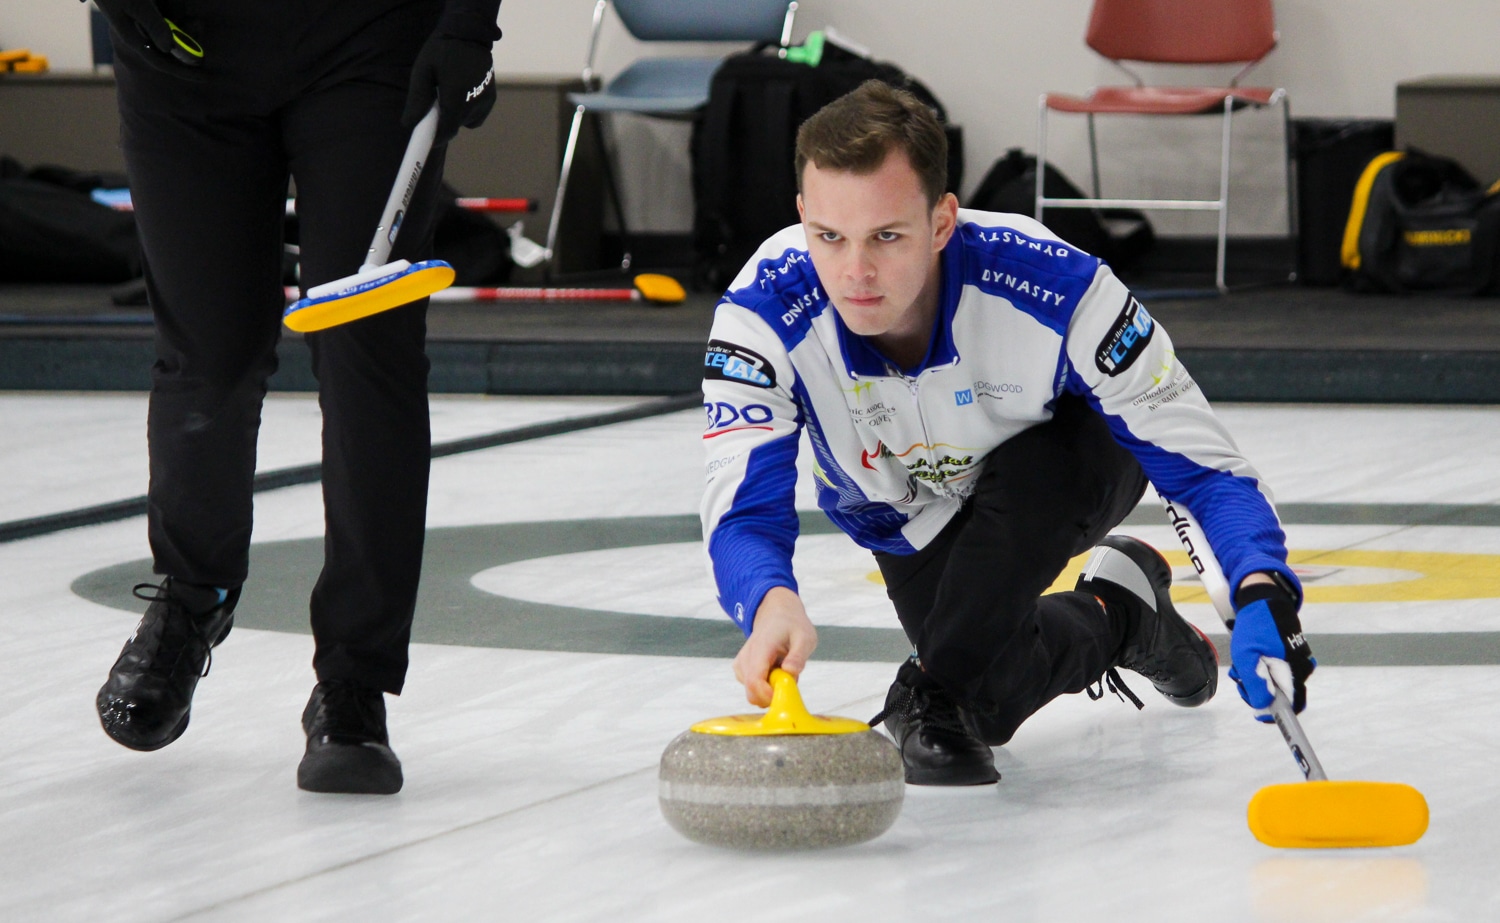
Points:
(988, 60)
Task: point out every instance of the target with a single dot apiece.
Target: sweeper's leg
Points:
(209, 183)
(346, 144)
(209, 202)
(971, 602)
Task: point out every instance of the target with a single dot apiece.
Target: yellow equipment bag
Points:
(1421, 223)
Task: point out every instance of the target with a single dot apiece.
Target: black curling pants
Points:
(971, 601)
(313, 90)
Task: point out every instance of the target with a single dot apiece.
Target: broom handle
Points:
(463, 293)
(1201, 555)
(406, 184)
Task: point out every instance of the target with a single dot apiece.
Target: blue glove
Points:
(1267, 643)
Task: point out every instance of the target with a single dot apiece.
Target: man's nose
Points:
(861, 265)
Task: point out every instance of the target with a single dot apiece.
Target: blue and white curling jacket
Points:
(1023, 318)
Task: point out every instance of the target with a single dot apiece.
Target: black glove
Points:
(1267, 640)
(460, 75)
(140, 23)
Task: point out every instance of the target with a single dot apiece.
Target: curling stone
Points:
(783, 780)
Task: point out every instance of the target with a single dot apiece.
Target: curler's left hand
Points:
(1267, 646)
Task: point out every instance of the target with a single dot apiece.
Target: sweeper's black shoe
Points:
(925, 724)
(348, 751)
(1134, 581)
(146, 701)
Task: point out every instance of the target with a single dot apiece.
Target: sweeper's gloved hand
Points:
(1267, 644)
(781, 635)
(460, 75)
(166, 47)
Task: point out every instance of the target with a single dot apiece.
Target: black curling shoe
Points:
(348, 750)
(935, 746)
(145, 703)
(1133, 579)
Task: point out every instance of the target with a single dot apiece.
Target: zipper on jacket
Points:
(914, 385)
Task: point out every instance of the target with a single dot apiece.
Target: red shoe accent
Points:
(1210, 644)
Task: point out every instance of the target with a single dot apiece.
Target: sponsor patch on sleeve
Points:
(727, 362)
(1126, 340)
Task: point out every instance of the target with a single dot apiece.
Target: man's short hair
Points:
(857, 131)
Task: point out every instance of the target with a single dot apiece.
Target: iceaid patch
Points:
(728, 362)
(1126, 340)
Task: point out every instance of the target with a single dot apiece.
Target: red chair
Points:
(1193, 32)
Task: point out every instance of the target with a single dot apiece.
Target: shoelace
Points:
(918, 704)
(1117, 686)
(1147, 668)
(158, 594)
(899, 705)
(346, 709)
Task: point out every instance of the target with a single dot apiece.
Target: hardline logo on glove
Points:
(474, 93)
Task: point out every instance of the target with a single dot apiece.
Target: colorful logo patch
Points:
(1126, 340)
(728, 362)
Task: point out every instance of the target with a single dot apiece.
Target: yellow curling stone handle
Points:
(787, 715)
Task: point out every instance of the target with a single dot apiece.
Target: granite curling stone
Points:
(783, 780)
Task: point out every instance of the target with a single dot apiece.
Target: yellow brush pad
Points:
(1327, 815)
(421, 280)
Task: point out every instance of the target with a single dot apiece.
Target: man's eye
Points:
(830, 236)
(887, 236)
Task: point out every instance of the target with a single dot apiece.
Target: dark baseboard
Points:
(667, 368)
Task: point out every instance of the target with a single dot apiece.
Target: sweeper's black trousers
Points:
(311, 89)
(971, 602)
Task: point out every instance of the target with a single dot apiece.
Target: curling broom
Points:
(1318, 813)
(379, 286)
(649, 286)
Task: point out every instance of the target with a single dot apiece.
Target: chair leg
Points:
(1094, 155)
(1041, 153)
(1224, 196)
(614, 196)
(1293, 206)
(562, 184)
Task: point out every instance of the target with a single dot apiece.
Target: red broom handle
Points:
(461, 293)
(496, 205)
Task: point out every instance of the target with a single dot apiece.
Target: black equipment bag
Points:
(476, 247)
(52, 231)
(1421, 223)
(1330, 155)
(744, 143)
(1119, 236)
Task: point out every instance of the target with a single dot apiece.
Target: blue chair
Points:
(669, 87)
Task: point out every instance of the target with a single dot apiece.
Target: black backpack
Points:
(1119, 236)
(1421, 223)
(744, 142)
(52, 231)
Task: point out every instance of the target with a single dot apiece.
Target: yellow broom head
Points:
(366, 293)
(1333, 815)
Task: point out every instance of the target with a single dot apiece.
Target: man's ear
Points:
(944, 220)
(801, 210)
